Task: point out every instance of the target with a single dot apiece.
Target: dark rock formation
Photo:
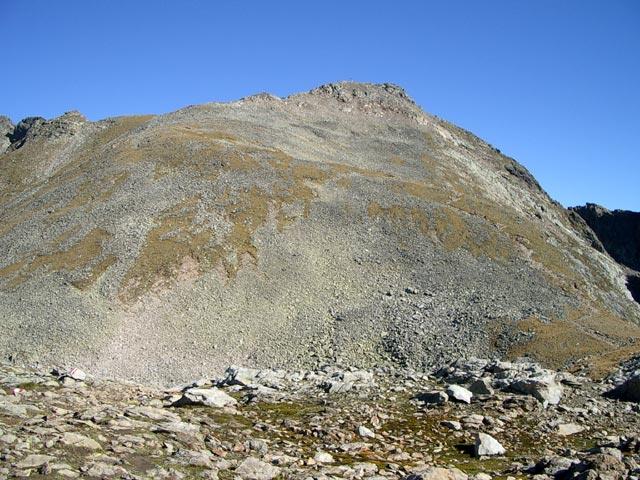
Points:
(23, 127)
(619, 232)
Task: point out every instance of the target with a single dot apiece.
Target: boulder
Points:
(566, 429)
(242, 376)
(33, 461)
(481, 386)
(80, 441)
(433, 397)
(209, 397)
(459, 393)
(486, 445)
(323, 457)
(544, 388)
(254, 469)
(365, 432)
(435, 473)
(629, 390)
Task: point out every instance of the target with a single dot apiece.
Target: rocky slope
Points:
(343, 225)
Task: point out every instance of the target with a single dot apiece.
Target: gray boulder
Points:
(433, 397)
(544, 388)
(210, 397)
(459, 393)
(253, 469)
(435, 473)
(629, 390)
(481, 386)
(486, 445)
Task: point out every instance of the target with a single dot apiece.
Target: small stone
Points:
(452, 424)
(365, 432)
(323, 457)
(486, 445)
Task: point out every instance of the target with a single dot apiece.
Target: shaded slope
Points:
(342, 224)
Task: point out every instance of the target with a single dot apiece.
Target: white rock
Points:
(32, 461)
(365, 432)
(210, 397)
(80, 441)
(77, 374)
(566, 429)
(459, 393)
(323, 457)
(487, 445)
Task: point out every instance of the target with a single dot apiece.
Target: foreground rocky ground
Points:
(474, 419)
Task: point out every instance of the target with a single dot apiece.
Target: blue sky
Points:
(553, 83)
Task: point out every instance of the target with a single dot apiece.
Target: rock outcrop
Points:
(618, 230)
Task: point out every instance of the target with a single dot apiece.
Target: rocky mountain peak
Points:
(68, 124)
(369, 98)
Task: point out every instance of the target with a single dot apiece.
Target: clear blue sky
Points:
(553, 83)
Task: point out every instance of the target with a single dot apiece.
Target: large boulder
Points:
(486, 445)
(459, 394)
(209, 397)
(544, 388)
(629, 390)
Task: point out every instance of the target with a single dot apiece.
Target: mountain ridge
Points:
(344, 224)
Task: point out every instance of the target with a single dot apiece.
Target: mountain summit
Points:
(342, 225)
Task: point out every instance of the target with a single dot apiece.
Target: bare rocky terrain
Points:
(399, 299)
(342, 226)
(473, 419)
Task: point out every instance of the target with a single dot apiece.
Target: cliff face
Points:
(340, 225)
(618, 230)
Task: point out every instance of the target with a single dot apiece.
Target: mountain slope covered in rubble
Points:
(342, 225)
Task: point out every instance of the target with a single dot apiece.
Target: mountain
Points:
(343, 225)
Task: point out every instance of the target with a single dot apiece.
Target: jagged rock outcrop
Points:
(618, 230)
(344, 225)
(6, 130)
